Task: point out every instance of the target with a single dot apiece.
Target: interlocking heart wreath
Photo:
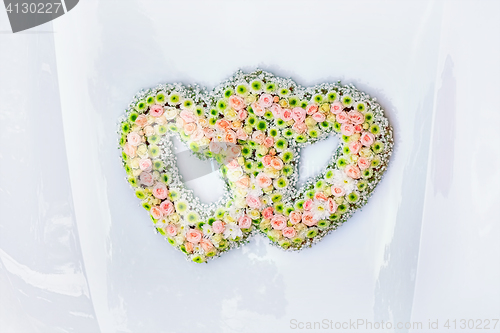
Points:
(254, 125)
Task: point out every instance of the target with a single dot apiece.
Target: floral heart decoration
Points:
(254, 125)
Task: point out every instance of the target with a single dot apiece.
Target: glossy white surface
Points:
(77, 253)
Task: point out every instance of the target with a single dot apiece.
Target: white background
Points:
(78, 253)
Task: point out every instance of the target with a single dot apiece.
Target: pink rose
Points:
(171, 230)
(189, 128)
(266, 100)
(308, 219)
(232, 164)
(289, 232)
(206, 244)
(241, 134)
(276, 110)
(179, 122)
(146, 178)
(358, 128)
(352, 171)
(286, 115)
(355, 146)
(215, 147)
(167, 207)
(342, 117)
(145, 164)
(347, 129)
(331, 206)
(266, 160)
(236, 102)
(263, 180)
(218, 227)
(129, 150)
(259, 137)
(156, 212)
(141, 120)
(194, 236)
(234, 151)
(298, 114)
(277, 163)
(336, 107)
(367, 139)
(356, 117)
(243, 182)
(311, 109)
(197, 135)
(299, 127)
(295, 217)
(245, 222)
(267, 213)
(269, 142)
(189, 247)
(320, 196)
(319, 117)
(253, 202)
(160, 191)
(337, 191)
(156, 110)
(363, 163)
(308, 204)
(187, 116)
(278, 222)
(134, 139)
(258, 109)
(149, 130)
(242, 114)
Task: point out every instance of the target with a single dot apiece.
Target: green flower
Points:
(347, 100)
(318, 98)
(251, 120)
(132, 181)
(375, 129)
(284, 92)
(369, 117)
(171, 241)
(219, 213)
(165, 178)
(301, 138)
(221, 105)
(242, 89)
(154, 151)
(256, 85)
(287, 156)
(329, 174)
(228, 92)
(336, 127)
(157, 165)
(342, 208)
(375, 162)
(141, 106)
(150, 100)
(360, 106)
(362, 185)
(125, 128)
(199, 259)
(192, 217)
(181, 206)
(262, 125)
(352, 197)
(312, 232)
(298, 240)
(199, 111)
(276, 197)
(146, 205)
(268, 115)
(273, 132)
(299, 205)
(377, 147)
(139, 193)
(281, 144)
(335, 217)
(341, 163)
(313, 133)
(331, 96)
(287, 170)
(280, 122)
(270, 87)
(153, 139)
(160, 98)
(288, 133)
(310, 194)
(325, 125)
(174, 98)
(173, 195)
(284, 243)
(288, 210)
(293, 101)
(367, 173)
(162, 129)
(133, 116)
(323, 224)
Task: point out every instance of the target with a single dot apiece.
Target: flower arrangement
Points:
(254, 125)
